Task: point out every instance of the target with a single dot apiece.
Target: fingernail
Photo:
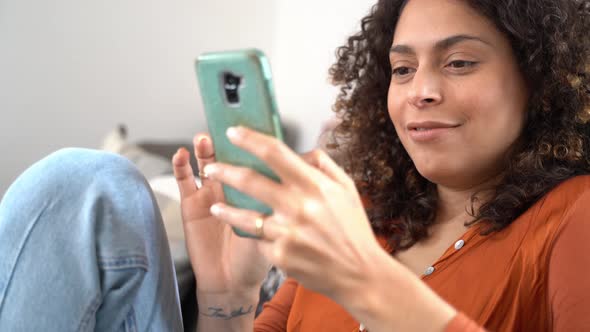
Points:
(178, 151)
(202, 139)
(210, 169)
(215, 209)
(233, 132)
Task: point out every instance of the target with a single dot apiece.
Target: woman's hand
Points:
(223, 263)
(318, 232)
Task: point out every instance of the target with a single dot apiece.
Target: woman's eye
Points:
(460, 64)
(401, 71)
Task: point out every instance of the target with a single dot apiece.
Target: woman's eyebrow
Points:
(440, 45)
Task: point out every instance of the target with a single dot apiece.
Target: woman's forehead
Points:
(427, 22)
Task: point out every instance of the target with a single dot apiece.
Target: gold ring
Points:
(259, 227)
(203, 175)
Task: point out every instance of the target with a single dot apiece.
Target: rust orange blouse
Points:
(532, 276)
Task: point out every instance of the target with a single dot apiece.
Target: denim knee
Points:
(75, 226)
(72, 171)
(79, 166)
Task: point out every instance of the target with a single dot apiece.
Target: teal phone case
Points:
(256, 109)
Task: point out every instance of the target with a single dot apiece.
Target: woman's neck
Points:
(456, 205)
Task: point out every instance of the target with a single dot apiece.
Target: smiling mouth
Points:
(430, 132)
(430, 125)
(433, 128)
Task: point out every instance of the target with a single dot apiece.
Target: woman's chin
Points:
(440, 176)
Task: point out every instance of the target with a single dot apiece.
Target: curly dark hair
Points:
(551, 42)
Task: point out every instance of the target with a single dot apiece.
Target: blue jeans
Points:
(83, 248)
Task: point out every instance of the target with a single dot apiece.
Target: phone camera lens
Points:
(231, 81)
(231, 84)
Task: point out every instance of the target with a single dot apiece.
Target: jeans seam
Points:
(4, 284)
(130, 322)
(116, 263)
(90, 312)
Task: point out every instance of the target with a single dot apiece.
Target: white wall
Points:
(70, 71)
(308, 33)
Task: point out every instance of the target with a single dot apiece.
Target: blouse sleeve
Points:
(462, 323)
(569, 271)
(275, 313)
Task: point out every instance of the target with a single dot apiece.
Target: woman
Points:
(465, 124)
(466, 127)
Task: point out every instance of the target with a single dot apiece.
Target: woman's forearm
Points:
(391, 298)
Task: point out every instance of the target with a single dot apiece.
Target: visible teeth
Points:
(421, 129)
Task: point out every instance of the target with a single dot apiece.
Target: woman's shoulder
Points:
(573, 193)
(568, 203)
(572, 187)
(572, 199)
(540, 225)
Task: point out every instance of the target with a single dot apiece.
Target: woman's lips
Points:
(430, 134)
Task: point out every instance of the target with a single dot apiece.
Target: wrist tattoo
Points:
(215, 312)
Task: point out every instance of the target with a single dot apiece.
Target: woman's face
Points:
(457, 98)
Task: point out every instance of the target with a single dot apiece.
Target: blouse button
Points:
(429, 271)
(459, 244)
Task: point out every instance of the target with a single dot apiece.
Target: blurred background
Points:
(72, 71)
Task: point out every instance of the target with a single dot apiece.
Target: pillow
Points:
(149, 164)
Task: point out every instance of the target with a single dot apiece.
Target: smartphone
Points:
(236, 89)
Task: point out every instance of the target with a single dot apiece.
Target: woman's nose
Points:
(425, 90)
